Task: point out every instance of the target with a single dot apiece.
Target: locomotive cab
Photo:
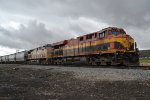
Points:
(116, 31)
(120, 46)
(121, 40)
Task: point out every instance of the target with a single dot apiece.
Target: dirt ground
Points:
(20, 83)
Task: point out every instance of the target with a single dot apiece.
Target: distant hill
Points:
(144, 53)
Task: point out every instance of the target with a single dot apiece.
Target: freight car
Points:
(109, 46)
(12, 58)
(0, 59)
(3, 59)
(19, 57)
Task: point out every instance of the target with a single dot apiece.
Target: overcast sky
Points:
(26, 24)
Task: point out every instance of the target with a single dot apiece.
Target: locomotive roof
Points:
(59, 43)
(94, 32)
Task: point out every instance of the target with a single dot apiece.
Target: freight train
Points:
(109, 46)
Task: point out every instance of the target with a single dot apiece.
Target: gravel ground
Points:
(34, 82)
(144, 64)
(104, 74)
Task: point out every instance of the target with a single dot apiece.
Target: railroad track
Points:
(94, 66)
(122, 67)
(106, 66)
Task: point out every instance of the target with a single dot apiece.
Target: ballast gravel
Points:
(97, 74)
(37, 82)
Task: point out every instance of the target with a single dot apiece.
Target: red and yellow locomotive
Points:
(110, 46)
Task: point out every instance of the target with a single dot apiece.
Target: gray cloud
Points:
(36, 34)
(117, 12)
(62, 19)
(27, 37)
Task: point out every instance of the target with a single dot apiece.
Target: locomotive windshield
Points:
(102, 34)
(116, 31)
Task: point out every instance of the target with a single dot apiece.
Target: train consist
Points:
(109, 46)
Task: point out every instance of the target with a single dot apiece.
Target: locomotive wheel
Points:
(98, 63)
(126, 63)
(108, 63)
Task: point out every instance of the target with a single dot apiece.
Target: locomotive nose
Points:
(130, 43)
